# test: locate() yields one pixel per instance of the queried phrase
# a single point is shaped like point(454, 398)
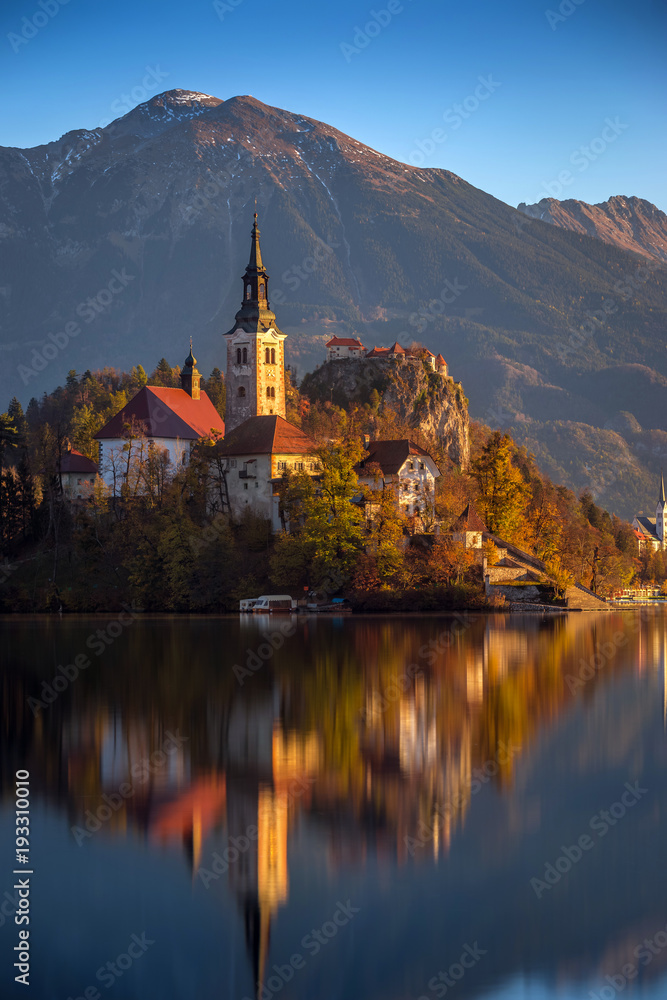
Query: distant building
point(344, 347)
point(469, 529)
point(396, 351)
point(650, 531)
point(405, 466)
point(257, 454)
point(171, 420)
point(77, 474)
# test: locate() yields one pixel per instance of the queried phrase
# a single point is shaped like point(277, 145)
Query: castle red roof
point(390, 455)
point(345, 342)
point(440, 360)
point(267, 435)
point(166, 413)
point(377, 352)
point(74, 461)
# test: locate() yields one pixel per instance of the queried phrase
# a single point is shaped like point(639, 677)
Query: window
point(422, 466)
point(245, 486)
point(273, 355)
point(261, 289)
point(78, 482)
point(282, 465)
point(232, 463)
point(412, 465)
point(241, 392)
point(244, 355)
point(238, 355)
point(312, 466)
point(267, 356)
point(247, 291)
point(298, 466)
point(270, 392)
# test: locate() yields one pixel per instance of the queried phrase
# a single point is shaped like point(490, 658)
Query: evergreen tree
point(216, 390)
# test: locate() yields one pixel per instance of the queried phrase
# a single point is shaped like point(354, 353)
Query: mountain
point(629, 223)
point(121, 242)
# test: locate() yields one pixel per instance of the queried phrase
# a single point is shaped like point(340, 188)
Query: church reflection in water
point(379, 734)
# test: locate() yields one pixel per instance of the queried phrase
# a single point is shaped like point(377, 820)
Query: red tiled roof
point(268, 435)
point(74, 461)
point(440, 359)
point(344, 342)
point(166, 413)
point(390, 455)
point(469, 520)
point(396, 349)
point(377, 352)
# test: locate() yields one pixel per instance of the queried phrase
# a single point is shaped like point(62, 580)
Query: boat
point(246, 606)
point(274, 603)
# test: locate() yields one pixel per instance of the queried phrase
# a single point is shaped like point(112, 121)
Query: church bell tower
point(255, 349)
point(661, 513)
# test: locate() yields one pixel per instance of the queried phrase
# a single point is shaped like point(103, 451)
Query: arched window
point(273, 355)
point(270, 392)
point(241, 391)
point(267, 356)
point(245, 355)
point(238, 355)
point(247, 291)
point(261, 289)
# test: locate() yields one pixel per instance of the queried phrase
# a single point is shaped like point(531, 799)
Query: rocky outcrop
point(630, 223)
point(428, 401)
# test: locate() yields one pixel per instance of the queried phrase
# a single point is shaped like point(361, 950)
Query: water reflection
point(425, 769)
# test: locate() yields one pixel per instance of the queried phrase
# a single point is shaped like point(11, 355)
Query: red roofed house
point(406, 466)
point(167, 419)
point(77, 474)
point(257, 453)
point(344, 347)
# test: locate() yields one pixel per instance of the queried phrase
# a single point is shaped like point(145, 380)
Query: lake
point(373, 808)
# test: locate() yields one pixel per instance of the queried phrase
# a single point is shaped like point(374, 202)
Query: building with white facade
point(405, 467)
point(650, 531)
point(344, 347)
point(157, 420)
point(256, 455)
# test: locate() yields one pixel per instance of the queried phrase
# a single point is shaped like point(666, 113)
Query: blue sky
point(557, 74)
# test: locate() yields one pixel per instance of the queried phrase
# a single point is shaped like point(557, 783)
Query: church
point(256, 442)
point(650, 531)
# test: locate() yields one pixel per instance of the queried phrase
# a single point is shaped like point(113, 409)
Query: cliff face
point(629, 223)
point(426, 400)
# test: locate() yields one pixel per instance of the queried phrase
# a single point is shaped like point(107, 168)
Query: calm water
point(379, 808)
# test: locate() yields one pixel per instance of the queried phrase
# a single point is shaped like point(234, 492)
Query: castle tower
point(661, 513)
point(190, 377)
point(255, 351)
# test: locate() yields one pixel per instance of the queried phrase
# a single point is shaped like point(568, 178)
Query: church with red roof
point(170, 420)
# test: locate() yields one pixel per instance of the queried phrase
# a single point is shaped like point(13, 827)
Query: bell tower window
point(238, 355)
point(267, 356)
point(247, 292)
point(245, 355)
point(261, 290)
point(241, 392)
point(273, 355)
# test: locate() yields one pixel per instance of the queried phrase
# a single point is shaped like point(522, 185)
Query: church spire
point(661, 498)
point(255, 262)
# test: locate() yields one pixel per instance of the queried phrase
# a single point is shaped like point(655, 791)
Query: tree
point(165, 375)
point(504, 495)
point(216, 390)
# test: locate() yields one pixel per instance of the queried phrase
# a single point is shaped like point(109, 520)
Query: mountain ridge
point(354, 241)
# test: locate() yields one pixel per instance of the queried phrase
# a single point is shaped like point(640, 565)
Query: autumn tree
point(503, 493)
